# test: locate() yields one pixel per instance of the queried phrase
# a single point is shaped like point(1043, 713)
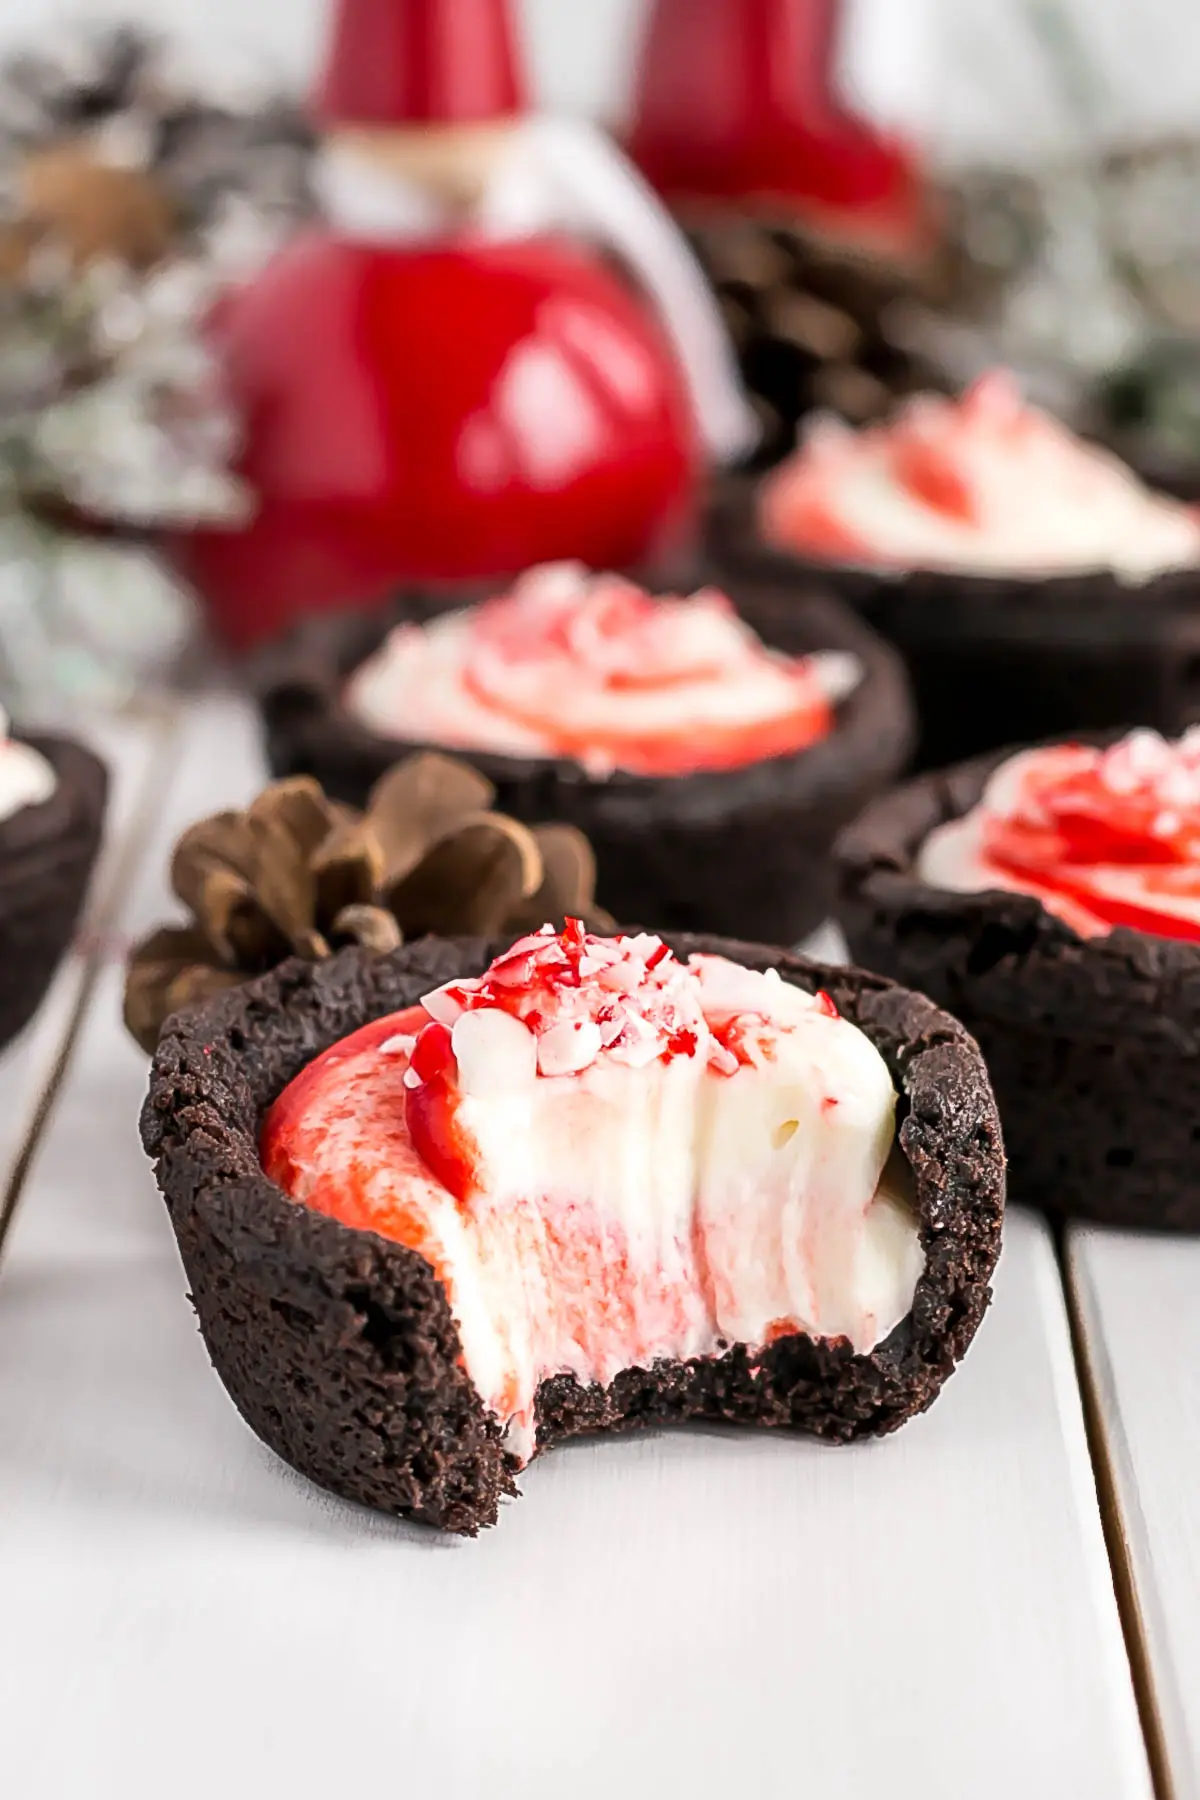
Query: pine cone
point(120, 100)
point(94, 211)
point(299, 874)
point(812, 323)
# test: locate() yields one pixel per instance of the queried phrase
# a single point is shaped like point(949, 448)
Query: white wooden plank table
point(716, 1613)
point(1138, 1301)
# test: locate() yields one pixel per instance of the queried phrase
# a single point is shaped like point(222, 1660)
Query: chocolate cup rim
point(80, 793)
point(220, 1065)
point(47, 853)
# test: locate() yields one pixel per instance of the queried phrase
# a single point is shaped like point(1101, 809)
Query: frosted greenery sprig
point(110, 401)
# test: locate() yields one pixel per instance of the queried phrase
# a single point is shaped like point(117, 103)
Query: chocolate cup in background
point(46, 858)
point(338, 1347)
point(739, 851)
point(995, 660)
point(1093, 1045)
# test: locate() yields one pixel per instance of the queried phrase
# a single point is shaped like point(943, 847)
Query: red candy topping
point(592, 666)
point(1105, 837)
point(574, 998)
point(628, 997)
point(926, 452)
point(984, 481)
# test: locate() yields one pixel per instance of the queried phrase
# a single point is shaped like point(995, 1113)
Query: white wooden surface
point(705, 1612)
point(1139, 1306)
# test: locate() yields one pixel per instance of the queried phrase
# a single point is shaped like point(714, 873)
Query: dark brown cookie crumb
point(339, 1348)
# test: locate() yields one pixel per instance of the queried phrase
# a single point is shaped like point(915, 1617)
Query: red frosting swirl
point(1102, 837)
point(593, 668)
point(984, 483)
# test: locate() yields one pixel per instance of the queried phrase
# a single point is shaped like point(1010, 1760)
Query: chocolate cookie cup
point(1093, 1045)
point(339, 1347)
point(994, 660)
point(46, 856)
point(741, 850)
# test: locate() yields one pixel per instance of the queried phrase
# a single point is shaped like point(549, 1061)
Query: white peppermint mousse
point(983, 485)
point(26, 778)
point(612, 1158)
point(592, 668)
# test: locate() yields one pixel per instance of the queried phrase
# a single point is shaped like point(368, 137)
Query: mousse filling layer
point(590, 667)
point(982, 485)
point(1101, 837)
point(611, 1159)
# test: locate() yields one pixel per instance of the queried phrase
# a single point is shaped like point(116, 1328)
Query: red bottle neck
point(412, 62)
point(738, 101)
point(792, 52)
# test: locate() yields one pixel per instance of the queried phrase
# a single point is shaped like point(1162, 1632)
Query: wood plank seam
point(1129, 1602)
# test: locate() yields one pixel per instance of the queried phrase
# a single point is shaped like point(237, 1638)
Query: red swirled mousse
point(612, 1158)
point(594, 669)
point(985, 484)
point(1102, 837)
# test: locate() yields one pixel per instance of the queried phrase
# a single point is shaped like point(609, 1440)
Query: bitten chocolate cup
point(994, 660)
point(46, 856)
point(1093, 1045)
point(741, 850)
point(339, 1347)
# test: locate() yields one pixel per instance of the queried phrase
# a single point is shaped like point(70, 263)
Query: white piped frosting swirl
point(592, 668)
point(984, 484)
point(1102, 837)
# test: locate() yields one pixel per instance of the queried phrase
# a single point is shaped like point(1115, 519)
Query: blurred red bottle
point(738, 102)
point(441, 385)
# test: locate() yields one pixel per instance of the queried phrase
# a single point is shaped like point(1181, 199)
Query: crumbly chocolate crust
point(339, 1348)
point(742, 850)
point(997, 659)
point(1093, 1045)
point(46, 856)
